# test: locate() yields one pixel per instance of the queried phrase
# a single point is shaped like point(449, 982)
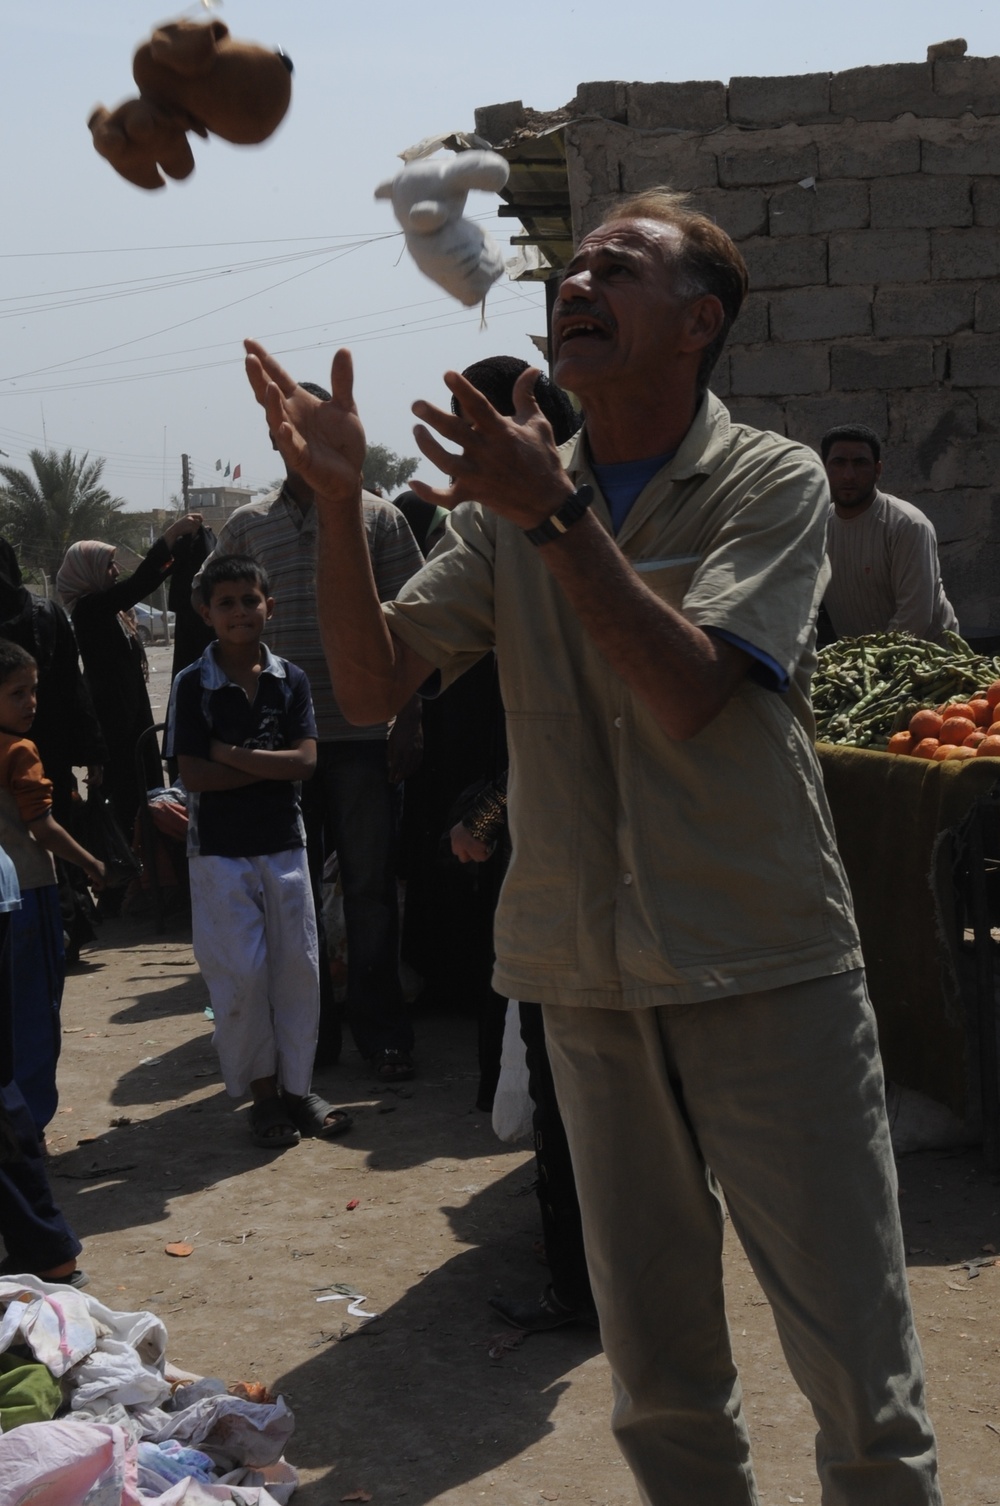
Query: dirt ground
point(422, 1405)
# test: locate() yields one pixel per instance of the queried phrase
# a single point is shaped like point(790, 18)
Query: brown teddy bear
point(191, 77)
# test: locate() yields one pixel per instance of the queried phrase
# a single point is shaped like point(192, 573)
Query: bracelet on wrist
point(559, 522)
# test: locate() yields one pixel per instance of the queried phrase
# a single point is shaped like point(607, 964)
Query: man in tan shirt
point(883, 551)
point(675, 900)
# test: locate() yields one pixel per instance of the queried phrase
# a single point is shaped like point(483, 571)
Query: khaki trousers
point(777, 1099)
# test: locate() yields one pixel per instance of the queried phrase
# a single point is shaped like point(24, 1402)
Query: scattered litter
point(354, 1203)
point(353, 1303)
point(88, 1139)
point(954, 1286)
point(148, 1061)
point(357, 1311)
point(993, 1427)
point(95, 1173)
point(209, 1012)
point(357, 1495)
point(71, 1029)
point(504, 1343)
point(804, 183)
point(329, 1338)
point(120, 1122)
point(178, 1248)
point(549, 1495)
point(975, 1266)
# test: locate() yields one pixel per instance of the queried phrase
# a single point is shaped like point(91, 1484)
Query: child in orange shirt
point(29, 835)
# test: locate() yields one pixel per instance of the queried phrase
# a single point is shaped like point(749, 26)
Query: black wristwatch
point(557, 523)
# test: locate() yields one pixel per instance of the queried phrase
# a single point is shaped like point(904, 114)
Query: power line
point(270, 335)
point(195, 318)
point(274, 240)
point(360, 339)
point(164, 282)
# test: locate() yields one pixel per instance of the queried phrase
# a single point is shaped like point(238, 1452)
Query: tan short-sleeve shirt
point(647, 871)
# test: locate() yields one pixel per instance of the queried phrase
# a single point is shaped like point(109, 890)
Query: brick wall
point(876, 286)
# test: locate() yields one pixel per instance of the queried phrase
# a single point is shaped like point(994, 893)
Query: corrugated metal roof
point(537, 194)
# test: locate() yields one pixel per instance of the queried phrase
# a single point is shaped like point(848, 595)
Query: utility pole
point(185, 491)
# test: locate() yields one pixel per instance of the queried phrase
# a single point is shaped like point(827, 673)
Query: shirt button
point(626, 878)
point(618, 721)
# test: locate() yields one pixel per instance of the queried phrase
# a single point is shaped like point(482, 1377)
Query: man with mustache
point(883, 551)
point(675, 900)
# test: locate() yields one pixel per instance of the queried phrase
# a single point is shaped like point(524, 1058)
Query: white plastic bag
point(512, 1106)
point(67, 1464)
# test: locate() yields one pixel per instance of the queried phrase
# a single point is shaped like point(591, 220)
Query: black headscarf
point(15, 599)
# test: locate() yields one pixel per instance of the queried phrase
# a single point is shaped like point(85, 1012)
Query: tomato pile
point(961, 729)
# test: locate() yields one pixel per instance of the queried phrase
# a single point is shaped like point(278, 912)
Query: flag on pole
point(226, 471)
point(236, 474)
point(218, 465)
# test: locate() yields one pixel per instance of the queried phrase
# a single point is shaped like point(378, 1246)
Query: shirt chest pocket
point(670, 577)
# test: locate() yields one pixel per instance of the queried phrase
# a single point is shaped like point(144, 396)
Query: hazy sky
point(123, 311)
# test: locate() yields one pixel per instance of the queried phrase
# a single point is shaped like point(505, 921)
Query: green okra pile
point(865, 689)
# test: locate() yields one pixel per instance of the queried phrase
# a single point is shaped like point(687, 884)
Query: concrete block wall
point(867, 206)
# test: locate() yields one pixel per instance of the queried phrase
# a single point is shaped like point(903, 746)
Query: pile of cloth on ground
point(91, 1413)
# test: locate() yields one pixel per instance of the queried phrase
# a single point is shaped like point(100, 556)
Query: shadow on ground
point(412, 1404)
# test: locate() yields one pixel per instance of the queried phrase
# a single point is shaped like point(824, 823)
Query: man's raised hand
point(323, 442)
point(511, 465)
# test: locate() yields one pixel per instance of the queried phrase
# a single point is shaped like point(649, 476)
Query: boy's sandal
point(271, 1114)
point(392, 1065)
point(312, 1115)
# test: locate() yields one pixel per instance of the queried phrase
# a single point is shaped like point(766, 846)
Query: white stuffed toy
point(428, 198)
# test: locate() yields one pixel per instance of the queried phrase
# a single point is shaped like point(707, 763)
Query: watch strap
point(563, 519)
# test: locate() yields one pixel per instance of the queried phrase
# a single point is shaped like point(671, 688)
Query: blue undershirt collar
point(623, 482)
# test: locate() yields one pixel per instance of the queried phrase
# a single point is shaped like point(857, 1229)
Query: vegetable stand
point(920, 841)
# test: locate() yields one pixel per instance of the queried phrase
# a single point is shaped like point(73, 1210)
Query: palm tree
point(64, 501)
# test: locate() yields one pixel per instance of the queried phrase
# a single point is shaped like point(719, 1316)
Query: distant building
point(217, 503)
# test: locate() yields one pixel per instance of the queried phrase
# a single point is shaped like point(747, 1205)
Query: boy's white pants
point(254, 932)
